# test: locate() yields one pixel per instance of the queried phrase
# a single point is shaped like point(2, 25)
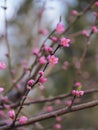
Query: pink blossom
point(1, 90)
point(94, 29)
point(43, 31)
point(2, 65)
point(41, 73)
point(60, 28)
point(85, 33)
point(42, 60)
point(81, 93)
point(96, 3)
point(36, 52)
point(54, 39)
point(78, 84)
point(65, 65)
point(52, 59)
point(29, 88)
point(57, 126)
point(7, 106)
point(65, 42)
point(73, 92)
point(49, 108)
point(30, 82)
point(50, 49)
point(47, 49)
point(69, 102)
point(23, 120)
point(58, 118)
point(41, 87)
point(74, 12)
point(77, 93)
point(42, 79)
point(11, 114)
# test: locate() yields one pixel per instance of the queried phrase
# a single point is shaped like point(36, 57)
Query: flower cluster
point(77, 91)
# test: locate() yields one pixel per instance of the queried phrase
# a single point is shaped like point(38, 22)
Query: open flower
point(65, 42)
point(52, 59)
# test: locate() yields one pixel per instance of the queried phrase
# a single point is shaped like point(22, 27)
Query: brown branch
point(7, 41)
point(60, 97)
point(61, 112)
point(53, 114)
point(80, 15)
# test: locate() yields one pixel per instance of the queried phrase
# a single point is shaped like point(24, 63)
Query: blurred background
point(25, 25)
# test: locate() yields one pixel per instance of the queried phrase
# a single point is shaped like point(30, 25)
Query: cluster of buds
point(29, 84)
point(22, 120)
point(77, 91)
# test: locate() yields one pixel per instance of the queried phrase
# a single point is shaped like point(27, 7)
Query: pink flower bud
point(58, 118)
point(1, 90)
point(73, 92)
point(30, 82)
point(43, 31)
point(47, 49)
point(78, 84)
point(74, 12)
point(69, 102)
point(23, 120)
point(41, 87)
point(85, 33)
point(42, 60)
point(57, 126)
point(65, 65)
point(81, 93)
point(49, 108)
point(50, 49)
point(41, 73)
point(11, 114)
point(96, 3)
point(77, 93)
point(42, 79)
point(54, 39)
point(36, 52)
point(7, 106)
point(2, 65)
point(94, 29)
point(60, 28)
